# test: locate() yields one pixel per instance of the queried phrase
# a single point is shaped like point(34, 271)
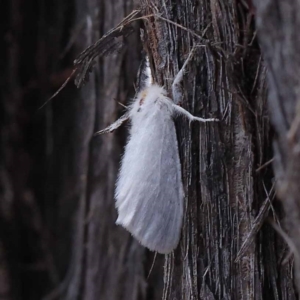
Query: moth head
point(149, 97)
point(151, 93)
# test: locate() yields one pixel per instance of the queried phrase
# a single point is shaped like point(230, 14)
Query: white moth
point(149, 191)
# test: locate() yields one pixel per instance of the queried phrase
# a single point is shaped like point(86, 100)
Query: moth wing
point(149, 193)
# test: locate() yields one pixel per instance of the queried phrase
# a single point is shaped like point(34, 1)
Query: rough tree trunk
point(58, 239)
point(278, 24)
point(226, 252)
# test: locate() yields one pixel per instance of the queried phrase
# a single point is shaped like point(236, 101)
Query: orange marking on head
point(143, 96)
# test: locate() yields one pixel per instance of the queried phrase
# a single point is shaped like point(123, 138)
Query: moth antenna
point(148, 73)
point(144, 76)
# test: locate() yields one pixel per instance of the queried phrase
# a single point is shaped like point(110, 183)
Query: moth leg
point(181, 111)
point(176, 88)
point(114, 125)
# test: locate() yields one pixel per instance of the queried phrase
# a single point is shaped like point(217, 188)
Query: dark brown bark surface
point(58, 239)
point(278, 23)
point(226, 252)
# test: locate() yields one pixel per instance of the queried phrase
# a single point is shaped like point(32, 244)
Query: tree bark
point(226, 251)
point(58, 239)
point(277, 24)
